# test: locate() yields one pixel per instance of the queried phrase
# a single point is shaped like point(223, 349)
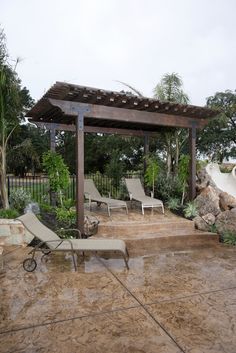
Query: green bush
point(168, 187)
point(173, 204)
point(229, 238)
point(9, 214)
point(190, 210)
point(65, 218)
point(19, 198)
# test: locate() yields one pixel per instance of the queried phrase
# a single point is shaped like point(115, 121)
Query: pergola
point(81, 109)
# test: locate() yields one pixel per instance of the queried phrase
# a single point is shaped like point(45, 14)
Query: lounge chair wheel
point(46, 251)
point(29, 264)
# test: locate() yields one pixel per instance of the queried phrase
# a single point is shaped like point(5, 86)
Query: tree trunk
point(169, 154)
point(3, 180)
point(176, 152)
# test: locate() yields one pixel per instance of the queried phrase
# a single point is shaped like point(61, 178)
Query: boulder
point(204, 180)
point(227, 201)
point(204, 222)
point(201, 224)
point(208, 202)
point(226, 221)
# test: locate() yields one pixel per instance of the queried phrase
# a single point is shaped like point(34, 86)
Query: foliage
point(14, 102)
point(45, 207)
point(229, 238)
point(213, 228)
point(26, 147)
point(58, 173)
point(66, 218)
point(217, 140)
point(10, 213)
point(68, 203)
point(183, 173)
point(19, 198)
point(168, 187)
point(173, 204)
point(170, 89)
point(190, 210)
point(104, 153)
point(151, 172)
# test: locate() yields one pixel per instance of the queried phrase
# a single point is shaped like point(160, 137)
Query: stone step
point(137, 228)
point(171, 241)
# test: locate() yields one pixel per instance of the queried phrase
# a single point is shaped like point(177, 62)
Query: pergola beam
point(96, 129)
point(126, 115)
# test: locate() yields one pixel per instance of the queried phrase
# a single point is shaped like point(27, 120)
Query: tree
point(25, 149)
point(170, 90)
point(218, 139)
point(58, 173)
point(14, 101)
point(151, 172)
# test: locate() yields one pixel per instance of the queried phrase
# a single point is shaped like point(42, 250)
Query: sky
point(97, 42)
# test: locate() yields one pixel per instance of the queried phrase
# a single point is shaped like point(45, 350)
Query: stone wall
point(13, 232)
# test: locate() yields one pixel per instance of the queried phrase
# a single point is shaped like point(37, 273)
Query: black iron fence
point(39, 189)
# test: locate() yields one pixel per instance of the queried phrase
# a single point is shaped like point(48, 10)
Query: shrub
point(66, 218)
point(173, 204)
point(151, 173)
point(9, 213)
point(229, 238)
point(190, 210)
point(168, 187)
point(19, 198)
point(58, 173)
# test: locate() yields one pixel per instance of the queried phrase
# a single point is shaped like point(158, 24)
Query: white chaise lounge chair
point(50, 242)
point(92, 193)
point(137, 193)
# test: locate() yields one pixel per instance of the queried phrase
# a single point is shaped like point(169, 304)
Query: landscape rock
point(227, 201)
point(208, 202)
point(201, 224)
point(209, 218)
point(226, 221)
point(205, 222)
point(204, 180)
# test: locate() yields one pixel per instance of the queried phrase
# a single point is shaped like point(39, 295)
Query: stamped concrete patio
point(171, 301)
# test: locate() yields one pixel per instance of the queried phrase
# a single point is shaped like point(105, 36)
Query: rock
point(201, 224)
point(227, 201)
point(208, 202)
point(32, 207)
point(226, 221)
point(209, 218)
point(204, 222)
point(204, 180)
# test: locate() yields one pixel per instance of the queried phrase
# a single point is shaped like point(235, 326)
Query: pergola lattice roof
point(44, 111)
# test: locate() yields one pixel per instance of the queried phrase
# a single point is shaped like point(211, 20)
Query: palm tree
point(170, 90)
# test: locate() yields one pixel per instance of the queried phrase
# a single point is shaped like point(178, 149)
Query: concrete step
point(115, 229)
point(175, 241)
point(150, 243)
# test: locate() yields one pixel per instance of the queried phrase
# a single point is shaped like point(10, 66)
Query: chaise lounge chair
point(92, 193)
point(137, 193)
point(50, 242)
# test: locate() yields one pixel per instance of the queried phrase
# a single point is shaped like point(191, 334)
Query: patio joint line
point(144, 308)
point(189, 296)
point(69, 319)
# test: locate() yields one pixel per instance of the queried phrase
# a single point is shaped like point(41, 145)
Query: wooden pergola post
point(53, 137)
point(52, 132)
point(80, 171)
point(192, 164)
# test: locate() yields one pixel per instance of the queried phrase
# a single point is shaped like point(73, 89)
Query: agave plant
point(173, 204)
point(190, 210)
